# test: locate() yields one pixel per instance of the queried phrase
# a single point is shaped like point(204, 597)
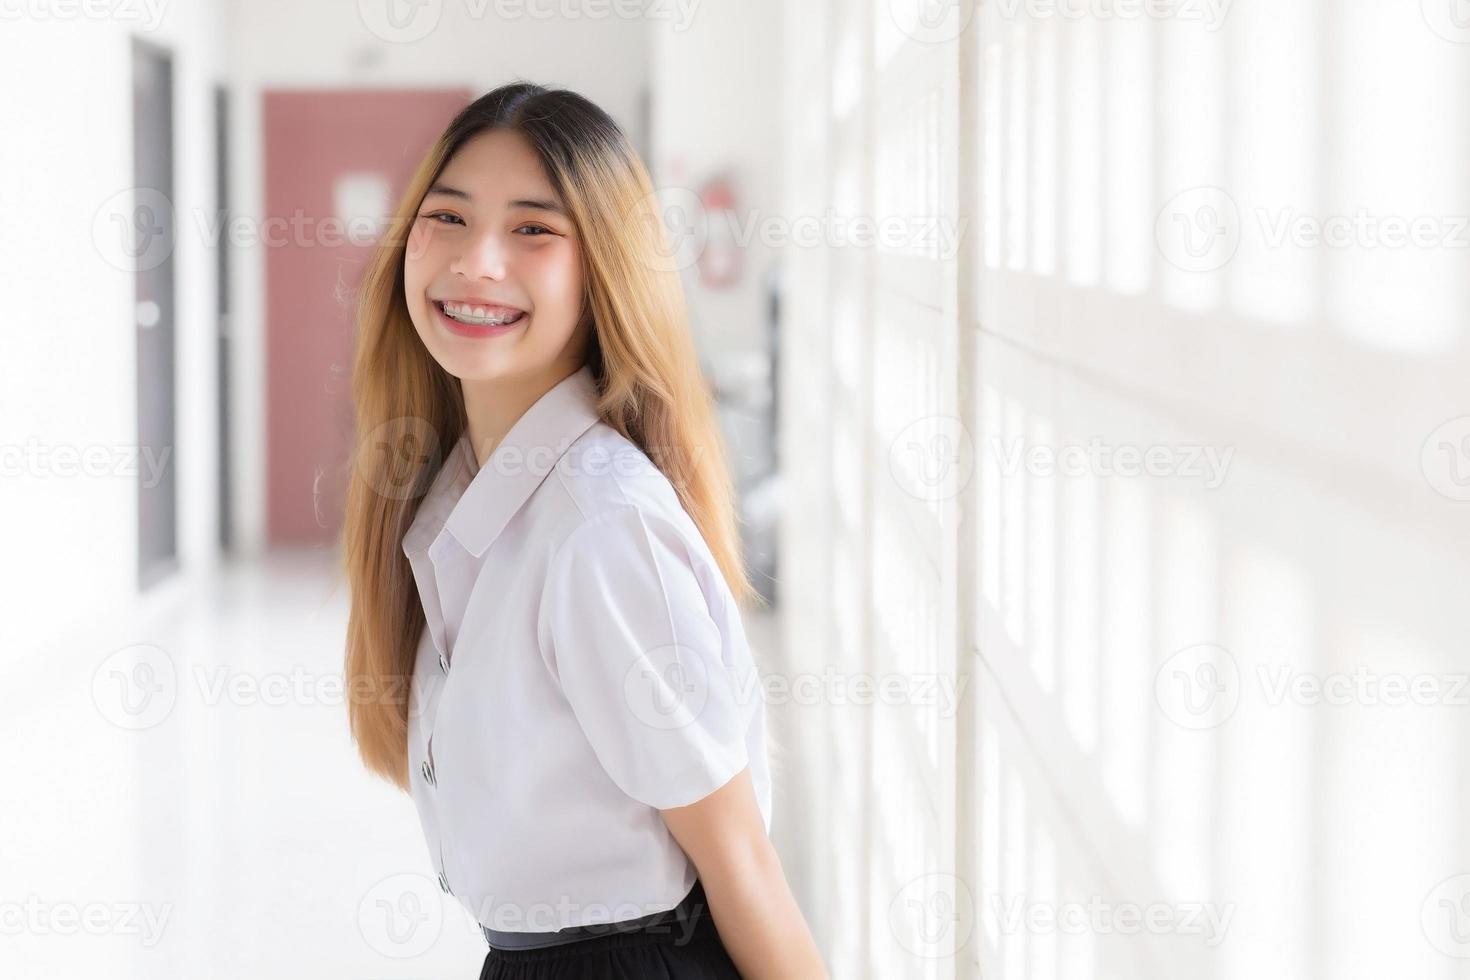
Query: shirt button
point(427, 771)
point(443, 882)
point(443, 663)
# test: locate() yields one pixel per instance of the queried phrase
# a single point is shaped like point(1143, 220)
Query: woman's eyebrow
point(539, 204)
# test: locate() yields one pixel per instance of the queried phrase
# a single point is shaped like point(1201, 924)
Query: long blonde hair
point(409, 410)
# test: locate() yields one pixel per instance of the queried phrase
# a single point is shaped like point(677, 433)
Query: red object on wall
point(720, 261)
point(323, 151)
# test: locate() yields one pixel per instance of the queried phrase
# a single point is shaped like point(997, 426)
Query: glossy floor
point(182, 799)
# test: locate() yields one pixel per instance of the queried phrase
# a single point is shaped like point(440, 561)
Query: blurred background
point(1094, 374)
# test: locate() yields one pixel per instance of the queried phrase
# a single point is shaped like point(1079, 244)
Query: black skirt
point(665, 948)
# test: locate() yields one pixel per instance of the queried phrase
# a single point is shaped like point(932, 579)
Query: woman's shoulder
point(611, 484)
point(604, 471)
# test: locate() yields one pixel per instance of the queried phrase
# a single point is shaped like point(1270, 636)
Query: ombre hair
point(409, 409)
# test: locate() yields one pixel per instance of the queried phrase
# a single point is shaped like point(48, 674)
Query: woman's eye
point(544, 231)
point(441, 214)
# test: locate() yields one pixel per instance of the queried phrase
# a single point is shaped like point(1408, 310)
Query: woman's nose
point(482, 258)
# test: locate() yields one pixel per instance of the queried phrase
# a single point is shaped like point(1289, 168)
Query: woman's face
point(493, 268)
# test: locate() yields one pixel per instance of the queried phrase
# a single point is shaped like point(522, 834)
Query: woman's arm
point(754, 911)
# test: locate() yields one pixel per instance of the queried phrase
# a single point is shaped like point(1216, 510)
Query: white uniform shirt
point(583, 666)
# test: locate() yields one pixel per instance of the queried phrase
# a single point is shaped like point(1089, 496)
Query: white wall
point(1123, 737)
point(716, 111)
point(67, 372)
point(869, 542)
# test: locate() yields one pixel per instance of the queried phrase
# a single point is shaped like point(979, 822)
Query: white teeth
point(478, 316)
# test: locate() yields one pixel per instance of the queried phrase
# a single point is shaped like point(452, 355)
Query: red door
point(334, 162)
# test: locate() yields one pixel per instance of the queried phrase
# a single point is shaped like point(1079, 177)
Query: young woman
point(540, 539)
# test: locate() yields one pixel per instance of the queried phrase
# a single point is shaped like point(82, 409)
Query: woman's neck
point(493, 406)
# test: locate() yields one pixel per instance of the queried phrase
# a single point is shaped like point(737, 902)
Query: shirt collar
point(476, 506)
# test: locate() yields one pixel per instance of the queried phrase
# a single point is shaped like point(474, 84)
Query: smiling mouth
point(480, 316)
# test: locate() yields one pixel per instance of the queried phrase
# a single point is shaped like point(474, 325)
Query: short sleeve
point(627, 630)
